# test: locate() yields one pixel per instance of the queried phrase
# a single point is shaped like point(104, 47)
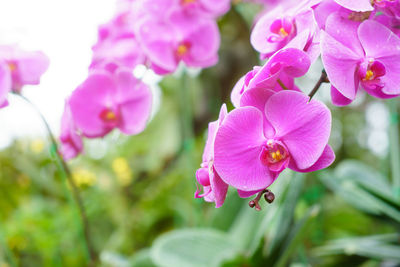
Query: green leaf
point(349, 191)
point(193, 248)
point(366, 177)
point(285, 213)
point(141, 258)
point(356, 195)
point(296, 236)
point(250, 226)
point(378, 247)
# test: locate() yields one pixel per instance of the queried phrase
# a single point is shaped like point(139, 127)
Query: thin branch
point(322, 79)
point(282, 84)
point(394, 146)
point(75, 191)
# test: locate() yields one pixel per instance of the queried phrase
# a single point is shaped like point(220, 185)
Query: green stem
point(8, 253)
point(394, 146)
point(186, 114)
point(74, 188)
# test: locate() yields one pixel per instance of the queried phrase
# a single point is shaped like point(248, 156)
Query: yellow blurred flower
point(37, 146)
point(122, 170)
point(84, 177)
point(23, 180)
point(17, 242)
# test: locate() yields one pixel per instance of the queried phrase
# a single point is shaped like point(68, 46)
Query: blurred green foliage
point(138, 191)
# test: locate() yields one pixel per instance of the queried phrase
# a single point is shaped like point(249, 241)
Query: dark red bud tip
point(269, 197)
point(252, 204)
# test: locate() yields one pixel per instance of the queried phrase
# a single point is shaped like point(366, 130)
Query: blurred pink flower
point(117, 43)
point(390, 8)
point(5, 83)
point(110, 99)
point(71, 141)
point(124, 50)
point(202, 8)
point(214, 189)
point(193, 40)
point(356, 5)
point(19, 68)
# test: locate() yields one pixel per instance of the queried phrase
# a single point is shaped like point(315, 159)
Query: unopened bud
point(269, 197)
point(252, 204)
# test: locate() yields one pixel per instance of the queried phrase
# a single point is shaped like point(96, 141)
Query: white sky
point(65, 31)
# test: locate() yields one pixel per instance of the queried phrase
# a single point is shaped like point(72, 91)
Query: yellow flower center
point(276, 152)
point(276, 155)
point(182, 50)
point(369, 75)
point(283, 33)
point(186, 2)
point(110, 116)
point(12, 66)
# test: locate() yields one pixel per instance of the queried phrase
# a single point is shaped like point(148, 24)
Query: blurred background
point(139, 190)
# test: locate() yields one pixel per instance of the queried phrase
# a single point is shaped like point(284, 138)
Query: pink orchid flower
point(117, 43)
point(214, 189)
point(356, 5)
point(5, 83)
point(192, 40)
point(389, 7)
point(120, 25)
point(71, 141)
point(19, 68)
point(108, 100)
point(392, 23)
point(268, 133)
point(277, 73)
point(123, 50)
point(202, 8)
point(205, 7)
point(293, 27)
point(355, 55)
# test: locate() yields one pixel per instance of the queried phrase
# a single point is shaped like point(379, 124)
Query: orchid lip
point(274, 155)
point(109, 116)
point(12, 66)
point(187, 2)
point(371, 71)
point(280, 29)
point(182, 49)
point(203, 177)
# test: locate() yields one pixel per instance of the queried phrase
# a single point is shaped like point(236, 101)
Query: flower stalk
point(322, 79)
point(74, 188)
point(394, 147)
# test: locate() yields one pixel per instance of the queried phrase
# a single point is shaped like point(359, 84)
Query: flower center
point(274, 155)
point(187, 2)
point(372, 70)
point(108, 116)
point(283, 33)
point(182, 49)
point(280, 29)
point(369, 75)
point(12, 66)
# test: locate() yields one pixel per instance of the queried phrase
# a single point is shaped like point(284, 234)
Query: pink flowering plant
point(274, 123)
